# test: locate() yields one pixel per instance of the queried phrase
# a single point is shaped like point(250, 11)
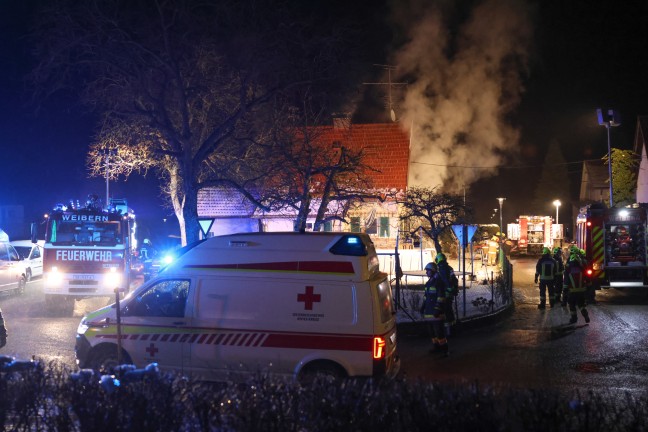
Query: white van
point(282, 303)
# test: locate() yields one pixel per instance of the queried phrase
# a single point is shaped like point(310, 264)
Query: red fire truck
point(614, 240)
point(87, 251)
point(532, 233)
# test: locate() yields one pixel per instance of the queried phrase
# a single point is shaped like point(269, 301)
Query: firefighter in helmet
point(575, 280)
point(546, 271)
point(433, 309)
point(3, 331)
point(558, 278)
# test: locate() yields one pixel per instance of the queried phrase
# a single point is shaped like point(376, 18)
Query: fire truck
point(532, 233)
point(87, 251)
point(614, 240)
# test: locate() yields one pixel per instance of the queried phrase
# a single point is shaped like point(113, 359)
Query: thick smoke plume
point(462, 86)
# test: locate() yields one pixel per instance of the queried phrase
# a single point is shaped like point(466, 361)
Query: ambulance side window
point(167, 298)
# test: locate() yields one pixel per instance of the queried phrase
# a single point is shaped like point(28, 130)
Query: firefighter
point(449, 278)
point(3, 331)
point(546, 271)
point(433, 309)
point(575, 281)
point(558, 279)
point(493, 249)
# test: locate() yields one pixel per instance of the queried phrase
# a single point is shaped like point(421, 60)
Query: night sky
point(583, 55)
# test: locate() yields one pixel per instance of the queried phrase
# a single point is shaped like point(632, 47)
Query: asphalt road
point(528, 348)
point(539, 349)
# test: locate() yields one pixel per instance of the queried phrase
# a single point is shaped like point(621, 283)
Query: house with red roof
point(386, 151)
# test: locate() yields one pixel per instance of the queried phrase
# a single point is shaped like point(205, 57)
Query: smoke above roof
point(464, 80)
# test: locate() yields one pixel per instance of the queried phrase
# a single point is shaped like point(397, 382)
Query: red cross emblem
point(309, 298)
point(152, 350)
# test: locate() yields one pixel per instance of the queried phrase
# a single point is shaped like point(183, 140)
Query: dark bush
point(50, 397)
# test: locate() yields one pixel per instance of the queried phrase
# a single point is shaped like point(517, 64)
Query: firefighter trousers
point(546, 287)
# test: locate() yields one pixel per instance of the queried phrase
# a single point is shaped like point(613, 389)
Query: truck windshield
point(83, 233)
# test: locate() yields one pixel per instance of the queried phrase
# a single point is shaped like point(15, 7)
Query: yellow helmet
point(545, 251)
point(557, 250)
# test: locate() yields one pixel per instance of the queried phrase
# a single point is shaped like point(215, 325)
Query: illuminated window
point(384, 227)
point(355, 224)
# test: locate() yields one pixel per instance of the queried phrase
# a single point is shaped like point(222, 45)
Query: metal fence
point(483, 290)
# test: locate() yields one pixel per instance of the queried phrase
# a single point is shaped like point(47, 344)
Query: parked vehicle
point(32, 256)
point(11, 268)
point(614, 241)
point(293, 304)
point(87, 251)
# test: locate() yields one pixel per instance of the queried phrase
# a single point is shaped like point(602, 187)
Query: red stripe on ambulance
point(343, 267)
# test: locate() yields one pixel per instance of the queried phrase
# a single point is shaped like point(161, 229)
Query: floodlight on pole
point(501, 201)
point(609, 118)
point(557, 204)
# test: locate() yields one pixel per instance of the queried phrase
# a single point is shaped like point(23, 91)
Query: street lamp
point(501, 201)
point(609, 118)
point(557, 204)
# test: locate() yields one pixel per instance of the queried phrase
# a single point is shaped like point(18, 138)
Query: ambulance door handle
point(178, 323)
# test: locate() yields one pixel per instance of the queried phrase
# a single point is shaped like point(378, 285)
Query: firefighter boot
point(436, 348)
point(542, 304)
point(585, 315)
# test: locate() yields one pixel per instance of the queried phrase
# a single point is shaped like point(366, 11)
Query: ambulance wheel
point(104, 358)
point(321, 370)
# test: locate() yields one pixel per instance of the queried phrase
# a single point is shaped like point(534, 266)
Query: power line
point(504, 166)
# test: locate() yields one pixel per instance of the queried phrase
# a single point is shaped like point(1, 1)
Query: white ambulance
point(292, 304)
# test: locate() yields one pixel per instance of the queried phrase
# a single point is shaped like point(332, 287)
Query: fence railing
point(483, 289)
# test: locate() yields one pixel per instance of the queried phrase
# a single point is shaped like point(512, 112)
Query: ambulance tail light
point(589, 272)
point(378, 347)
point(589, 223)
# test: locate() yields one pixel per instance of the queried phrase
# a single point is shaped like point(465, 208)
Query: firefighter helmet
point(557, 250)
point(545, 251)
point(440, 257)
point(431, 266)
point(574, 257)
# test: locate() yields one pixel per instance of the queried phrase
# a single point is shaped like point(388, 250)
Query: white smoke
point(461, 88)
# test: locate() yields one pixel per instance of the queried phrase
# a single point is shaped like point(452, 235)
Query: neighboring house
point(640, 149)
point(386, 150)
point(594, 182)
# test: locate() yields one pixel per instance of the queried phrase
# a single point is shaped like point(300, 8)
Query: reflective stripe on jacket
point(546, 268)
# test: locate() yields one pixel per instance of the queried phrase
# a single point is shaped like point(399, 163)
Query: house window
point(328, 226)
point(384, 227)
point(355, 224)
point(372, 227)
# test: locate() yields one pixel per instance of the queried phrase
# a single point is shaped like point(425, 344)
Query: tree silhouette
point(624, 176)
point(554, 181)
point(186, 88)
point(434, 212)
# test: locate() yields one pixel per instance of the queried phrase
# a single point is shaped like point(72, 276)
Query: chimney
point(342, 121)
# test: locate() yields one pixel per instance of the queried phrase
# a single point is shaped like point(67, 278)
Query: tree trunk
point(190, 213)
point(302, 215)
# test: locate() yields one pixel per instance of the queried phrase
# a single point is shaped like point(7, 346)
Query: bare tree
point(182, 87)
point(432, 211)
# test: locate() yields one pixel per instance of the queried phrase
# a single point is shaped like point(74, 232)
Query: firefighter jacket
point(546, 268)
point(3, 331)
point(575, 279)
point(560, 266)
point(434, 299)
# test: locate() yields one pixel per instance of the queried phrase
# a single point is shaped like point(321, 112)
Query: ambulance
point(291, 304)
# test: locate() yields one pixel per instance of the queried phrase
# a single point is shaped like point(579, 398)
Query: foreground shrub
point(35, 397)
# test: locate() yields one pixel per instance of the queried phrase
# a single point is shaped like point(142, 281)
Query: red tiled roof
point(386, 149)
